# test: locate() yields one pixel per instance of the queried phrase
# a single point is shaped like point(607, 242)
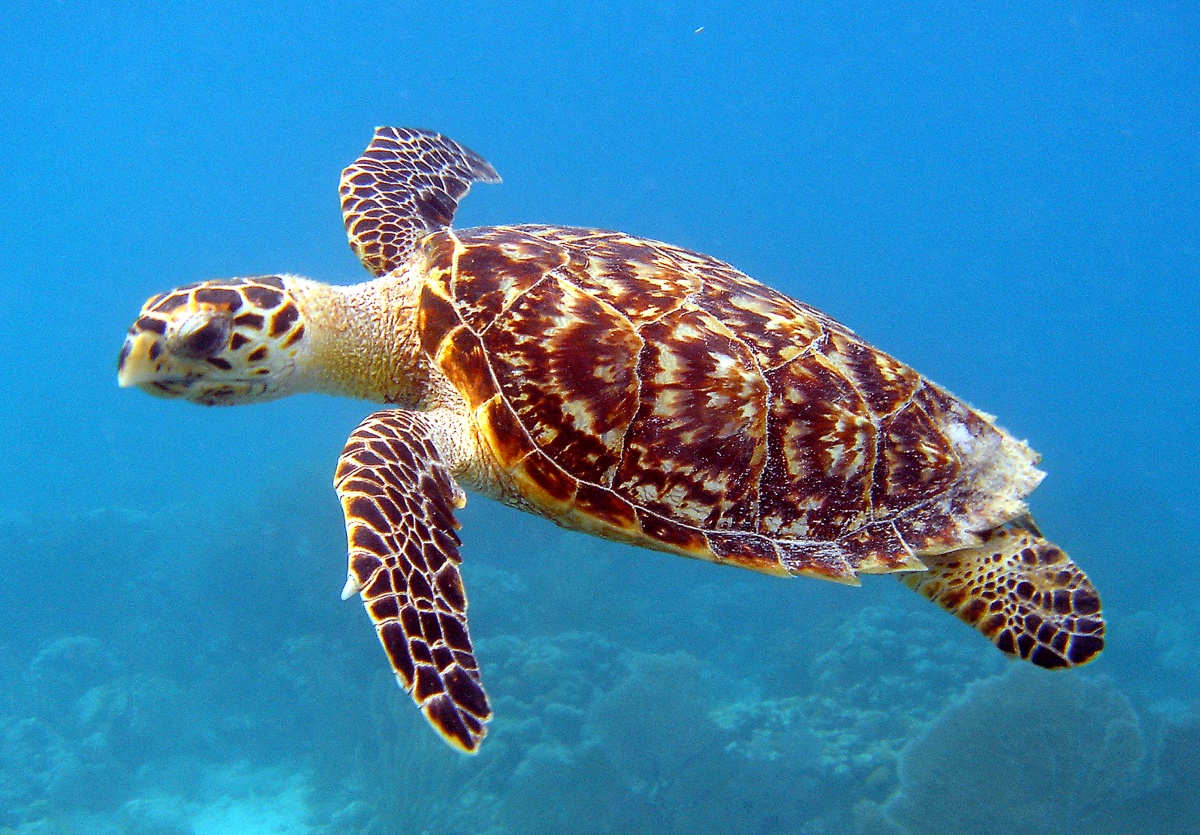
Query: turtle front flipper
point(399, 500)
point(405, 185)
point(1022, 592)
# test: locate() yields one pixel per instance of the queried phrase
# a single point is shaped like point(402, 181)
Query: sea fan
point(1024, 752)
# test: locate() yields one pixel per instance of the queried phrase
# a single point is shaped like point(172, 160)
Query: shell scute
point(603, 504)
point(684, 538)
point(463, 361)
point(884, 383)
point(880, 546)
point(696, 446)
point(944, 409)
point(505, 435)
point(436, 317)
point(643, 282)
point(821, 437)
point(556, 484)
point(918, 463)
point(492, 274)
point(825, 560)
point(777, 328)
point(567, 375)
point(751, 551)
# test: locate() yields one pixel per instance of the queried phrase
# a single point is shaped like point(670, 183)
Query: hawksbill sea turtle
point(621, 387)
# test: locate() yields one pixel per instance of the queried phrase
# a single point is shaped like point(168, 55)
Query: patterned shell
point(653, 395)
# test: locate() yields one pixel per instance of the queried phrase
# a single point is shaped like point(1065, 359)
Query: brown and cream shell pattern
point(658, 396)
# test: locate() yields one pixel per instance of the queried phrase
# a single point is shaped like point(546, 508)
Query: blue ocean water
point(1003, 195)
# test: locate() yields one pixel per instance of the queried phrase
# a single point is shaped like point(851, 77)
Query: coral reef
point(35, 763)
point(622, 741)
point(634, 693)
point(62, 670)
point(1169, 806)
point(1028, 751)
point(886, 674)
point(139, 718)
point(155, 816)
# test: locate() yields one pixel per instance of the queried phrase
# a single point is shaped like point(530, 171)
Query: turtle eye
point(203, 337)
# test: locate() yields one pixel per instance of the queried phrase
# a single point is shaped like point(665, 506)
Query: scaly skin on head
point(249, 340)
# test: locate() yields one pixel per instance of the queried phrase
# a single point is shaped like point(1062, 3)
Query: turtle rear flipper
point(1022, 592)
point(399, 500)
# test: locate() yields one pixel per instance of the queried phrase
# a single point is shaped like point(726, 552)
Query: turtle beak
point(136, 364)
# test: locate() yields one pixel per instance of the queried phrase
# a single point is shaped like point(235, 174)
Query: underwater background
point(1004, 195)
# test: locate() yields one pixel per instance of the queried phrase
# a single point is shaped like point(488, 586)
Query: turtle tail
point(1021, 591)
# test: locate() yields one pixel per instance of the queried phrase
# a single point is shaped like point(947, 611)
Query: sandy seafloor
point(1003, 196)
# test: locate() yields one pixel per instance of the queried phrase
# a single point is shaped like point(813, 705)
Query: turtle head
point(223, 342)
